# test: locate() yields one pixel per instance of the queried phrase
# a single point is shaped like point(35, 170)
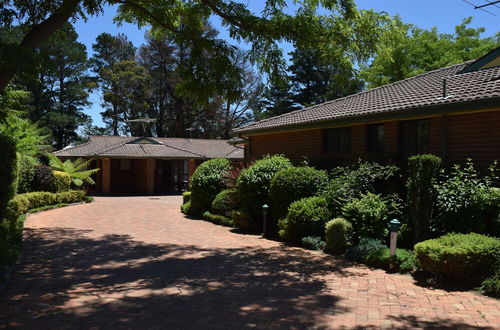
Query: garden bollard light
point(394, 225)
point(265, 208)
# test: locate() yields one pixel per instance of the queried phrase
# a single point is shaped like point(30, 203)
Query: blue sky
point(445, 14)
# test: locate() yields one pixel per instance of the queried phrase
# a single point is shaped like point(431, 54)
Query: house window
point(414, 137)
point(375, 136)
point(337, 139)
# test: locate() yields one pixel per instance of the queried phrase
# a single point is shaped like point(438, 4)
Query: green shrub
point(373, 253)
point(313, 243)
point(369, 216)
point(8, 172)
point(467, 202)
point(44, 179)
point(348, 183)
point(207, 181)
point(306, 217)
point(459, 257)
point(62, 181)
point(218, 219)
point(22, 203)
point(186, 208)
point(225, 203)
point(244, 221)
point(491, 286)
point(423, 170)
point(186, 197)
point(253, 186)
point(25, 173)
point(338, 235)
point(294, 183)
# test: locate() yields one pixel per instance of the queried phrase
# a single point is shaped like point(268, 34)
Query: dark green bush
point(253, 186)
point(244, 221)
point(313, 243)
point(207, 181)
point(348, 183)
point(294, 183)
point(373, 253)
point(467, 202)
point(306, 217)
point(186, 197)
point(8, 172)
point(491, 286)
point(218, 219)
point(44, 179)
point(225, 203)
point(25, 173)
point(423, 170)
point(338, 235)
point(62, 181)
point(369, 216)
point(459, 257)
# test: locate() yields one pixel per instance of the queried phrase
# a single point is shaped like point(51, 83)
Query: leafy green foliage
point(207, 181)
point(244, 221)
point(28, 137)
point(225, 203)
point(254, 185)
point(491, 286)
point(338, 233)
point(369, 216)
point(405, 50)
point(218, 219)
point(186, 197)
point(306, 217)
point(8, 172)
point(62, 181)
point(25, 172)
point(421, 193)
point(75, 169)
point(467, 202)
point(459, 257)
point(349, 182)
point(373, 253)
point(294, 183)
point(186, 208)
point(313, 243)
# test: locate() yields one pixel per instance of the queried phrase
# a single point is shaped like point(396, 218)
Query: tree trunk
point(40, 33)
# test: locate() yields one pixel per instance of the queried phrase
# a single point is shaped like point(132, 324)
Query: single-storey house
point(147, 165)
point(453, 112)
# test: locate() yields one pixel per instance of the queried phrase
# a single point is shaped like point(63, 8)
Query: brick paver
point(136, 262)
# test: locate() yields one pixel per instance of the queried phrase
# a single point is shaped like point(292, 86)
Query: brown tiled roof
point(412, 95)
point(181, 148)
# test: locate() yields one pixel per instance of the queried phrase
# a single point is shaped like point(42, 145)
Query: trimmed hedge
point(253, 187)
point(218, 219)
point(225, 203)
point(338, 235)
point(186, 208)
point(491, 286)
point(22, 203)
point(294, 183)
point(306, 217)
point(421, 194)
point(186, 197)
point(25, 173)
point(459, 257)
point(8, 172)
point(62, 181)
point(207, 181)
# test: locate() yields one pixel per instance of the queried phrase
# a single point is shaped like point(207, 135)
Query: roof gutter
point(459, 107)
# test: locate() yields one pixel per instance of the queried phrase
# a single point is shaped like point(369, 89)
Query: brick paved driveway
point(136, 262)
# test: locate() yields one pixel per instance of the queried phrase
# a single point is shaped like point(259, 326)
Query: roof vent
point(445, 95)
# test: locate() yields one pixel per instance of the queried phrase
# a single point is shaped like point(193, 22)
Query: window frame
point(337, 140)
point(377, 145)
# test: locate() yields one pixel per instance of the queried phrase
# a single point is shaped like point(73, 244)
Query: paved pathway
point(137, 263)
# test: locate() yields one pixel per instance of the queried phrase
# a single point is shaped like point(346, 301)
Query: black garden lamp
point(265, 210)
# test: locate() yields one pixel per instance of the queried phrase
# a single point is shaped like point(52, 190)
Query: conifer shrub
point(338, 233)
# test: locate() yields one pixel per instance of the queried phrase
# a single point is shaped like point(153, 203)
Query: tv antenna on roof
point(143, 121)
